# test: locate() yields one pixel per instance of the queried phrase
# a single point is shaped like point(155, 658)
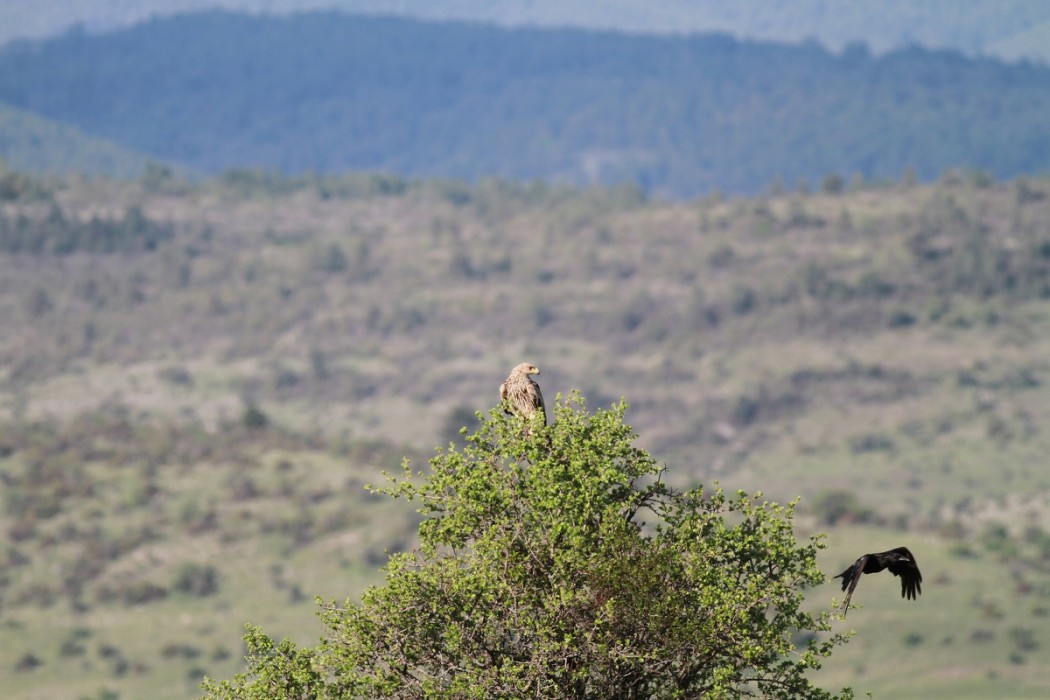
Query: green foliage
point(284, 672)
point(536, 577)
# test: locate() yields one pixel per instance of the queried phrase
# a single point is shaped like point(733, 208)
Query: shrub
point(833, 183)
point(142, 592)
point(331, 259)
point(254, 418)
point(28, 662)
point(197, 580)
point(742, 300)
point(839, 505)
point(536, 577)
point(870, 442)
point(176, 650)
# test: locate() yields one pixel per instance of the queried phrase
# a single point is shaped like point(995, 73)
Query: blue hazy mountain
point(1008, 29)
point(677, 114)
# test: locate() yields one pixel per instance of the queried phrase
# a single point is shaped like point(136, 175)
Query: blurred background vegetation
point(197, 379)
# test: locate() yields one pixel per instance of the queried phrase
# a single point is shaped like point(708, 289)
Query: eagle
point(521, 395)
point(900, 561)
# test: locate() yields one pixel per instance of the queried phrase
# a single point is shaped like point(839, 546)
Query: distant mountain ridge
point(1007, 29)
point(679, 115)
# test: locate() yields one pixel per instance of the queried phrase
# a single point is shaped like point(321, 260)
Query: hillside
point(1008, 30)
point(681, 115)
point(196, 381)
point(36, 145)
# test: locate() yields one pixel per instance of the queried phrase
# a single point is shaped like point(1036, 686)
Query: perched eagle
point(899, 561)
point(521, 394)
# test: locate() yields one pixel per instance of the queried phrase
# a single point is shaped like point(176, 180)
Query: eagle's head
point(526, 368)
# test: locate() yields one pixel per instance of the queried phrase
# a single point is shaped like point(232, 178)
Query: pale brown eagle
point(521, 394)
point(900, 561)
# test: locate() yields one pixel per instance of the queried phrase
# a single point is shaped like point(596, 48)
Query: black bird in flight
point(899, 561)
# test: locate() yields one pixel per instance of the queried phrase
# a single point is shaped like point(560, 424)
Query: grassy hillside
point(196, 381)
point(680, 115)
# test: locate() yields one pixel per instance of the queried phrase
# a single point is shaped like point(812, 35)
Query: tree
point(536, 577)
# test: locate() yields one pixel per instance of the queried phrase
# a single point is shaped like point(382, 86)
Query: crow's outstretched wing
point(908, 569)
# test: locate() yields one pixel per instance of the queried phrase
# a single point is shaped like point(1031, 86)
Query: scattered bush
point(982, 636)
point(840, 506)
point(833, 184)
point(901, 318)
point(871, 442)
point(1023, 639)
point(996, 539)
point(721, 257)
point(254, 418)
point(197, 580)
point(179, 650)
point(73, 645)
point(141, 593)
point(176, 376)
point(28, 662)
point(742, 300)
point(331, 259)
